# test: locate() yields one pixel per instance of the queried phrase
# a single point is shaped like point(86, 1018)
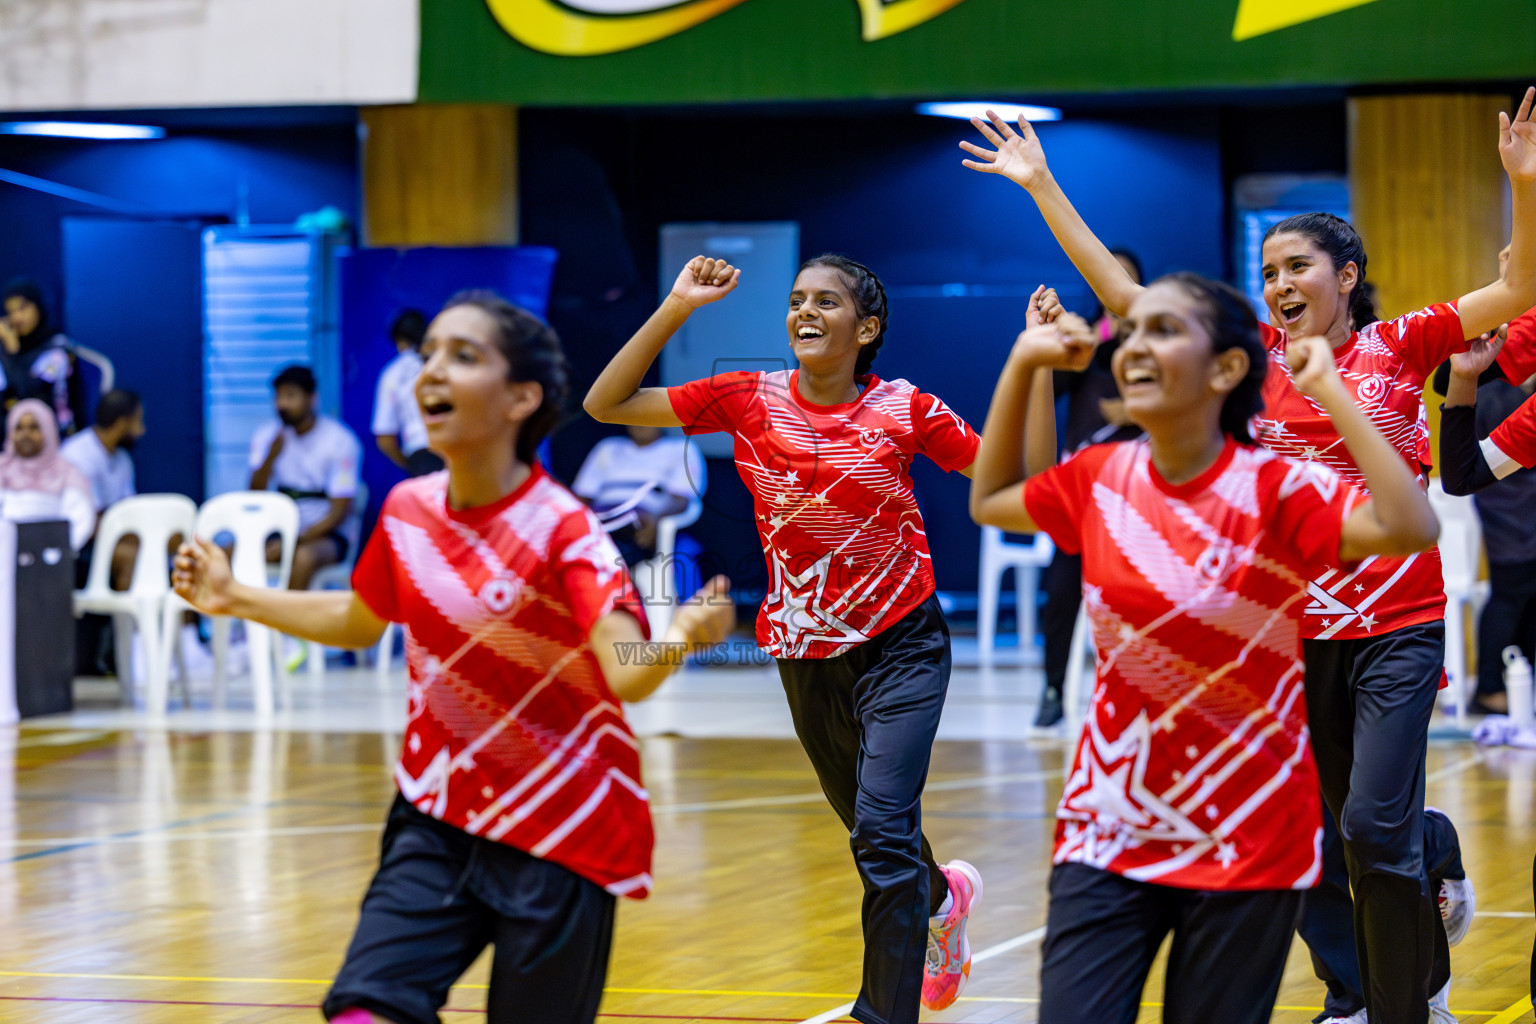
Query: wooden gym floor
point(153, 876)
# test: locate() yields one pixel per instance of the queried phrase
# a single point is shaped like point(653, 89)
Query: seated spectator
point(36, 482)
point(313, 459)
point(397, 426)
point(631, 482)
point(101, 456)
point(35, 360)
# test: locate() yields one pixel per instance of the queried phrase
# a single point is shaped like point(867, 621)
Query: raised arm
point(997, 486)
point(335, 618)
point(1040, 424)
point(1020, 158)
point(1464, 469)
point(1515, 290)
point(616, 396)
point(1398, 519)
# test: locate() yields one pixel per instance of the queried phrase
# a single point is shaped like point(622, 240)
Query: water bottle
point(1517, 684)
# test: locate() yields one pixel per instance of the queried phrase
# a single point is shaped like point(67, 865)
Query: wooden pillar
point(1429, 196)
point(440, 174)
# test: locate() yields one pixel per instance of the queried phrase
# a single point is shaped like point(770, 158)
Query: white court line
point(991, 951)
point(178, 837)
point(1454, 767)
point(322, 830)
point(949, 785)
point(1519, 915)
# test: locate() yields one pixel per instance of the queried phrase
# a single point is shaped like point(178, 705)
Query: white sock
point(945, 908)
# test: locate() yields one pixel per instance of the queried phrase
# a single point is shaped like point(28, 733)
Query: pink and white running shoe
point(949, 952)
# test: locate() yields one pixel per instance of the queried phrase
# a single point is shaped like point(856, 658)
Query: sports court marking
point(1006, 946)
point(1512, 1014)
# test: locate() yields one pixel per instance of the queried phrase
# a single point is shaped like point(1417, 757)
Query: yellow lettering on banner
point(587, 28)
point(1257, 17)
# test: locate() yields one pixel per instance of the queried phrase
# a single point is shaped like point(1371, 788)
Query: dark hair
point(868, 300)
point(1228, 318)
point(410, 326)
point(533, 353)
point(115, 406)
point(297, 375)
point(27, 288)
point(1339, 239)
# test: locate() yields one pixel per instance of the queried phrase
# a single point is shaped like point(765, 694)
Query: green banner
point(598, 52)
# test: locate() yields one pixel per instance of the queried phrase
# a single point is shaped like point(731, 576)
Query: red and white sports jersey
point(1518, 356)
point(512, 733)
point(846, 549)
point(1194, 769)
point(1384, 367)
point(1512, 445)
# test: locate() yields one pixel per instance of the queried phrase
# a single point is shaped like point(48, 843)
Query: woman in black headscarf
point(37, 361)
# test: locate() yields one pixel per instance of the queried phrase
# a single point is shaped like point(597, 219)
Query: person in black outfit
point(36, 360)
point(1095, 415)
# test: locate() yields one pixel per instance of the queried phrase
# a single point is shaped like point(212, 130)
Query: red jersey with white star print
point(1384, 367)
point(847, 553)
point(512, 733)
point(1194, 769)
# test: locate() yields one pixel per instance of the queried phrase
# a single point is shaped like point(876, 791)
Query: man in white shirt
point(102, 456)
point(397, 426)
point(314, 460)
point(633, 481)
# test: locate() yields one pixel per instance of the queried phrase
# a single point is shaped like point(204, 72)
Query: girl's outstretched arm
point(616, 396)
point(1515, 290)
point(997, 488)
point(1398, 519)
point(335, 618)
point(633, 668)
point(1020, 158)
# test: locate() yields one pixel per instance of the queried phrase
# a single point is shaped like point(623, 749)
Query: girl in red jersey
point(1375, 634)
point(1191, 806)
point(520, 815)
point(850, 614)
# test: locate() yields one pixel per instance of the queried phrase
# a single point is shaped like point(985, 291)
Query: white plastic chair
point(997, 557)
point(154, 519)
point(1461, 549)
point(339, 575)
point(655, 578)
point(251, 517)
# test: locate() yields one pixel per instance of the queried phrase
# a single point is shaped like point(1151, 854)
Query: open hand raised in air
point(1018, 156)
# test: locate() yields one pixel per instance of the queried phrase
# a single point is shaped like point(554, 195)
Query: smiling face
point(1306, 294)
point(468, 404)
point(27, 438)
point(1165, 368)
point(825, 330)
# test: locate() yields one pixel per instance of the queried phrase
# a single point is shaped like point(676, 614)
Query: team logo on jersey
point(1373, 389)
point(499, 594)
point(1214, 561)
point(585, 28)
point(874, 437)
